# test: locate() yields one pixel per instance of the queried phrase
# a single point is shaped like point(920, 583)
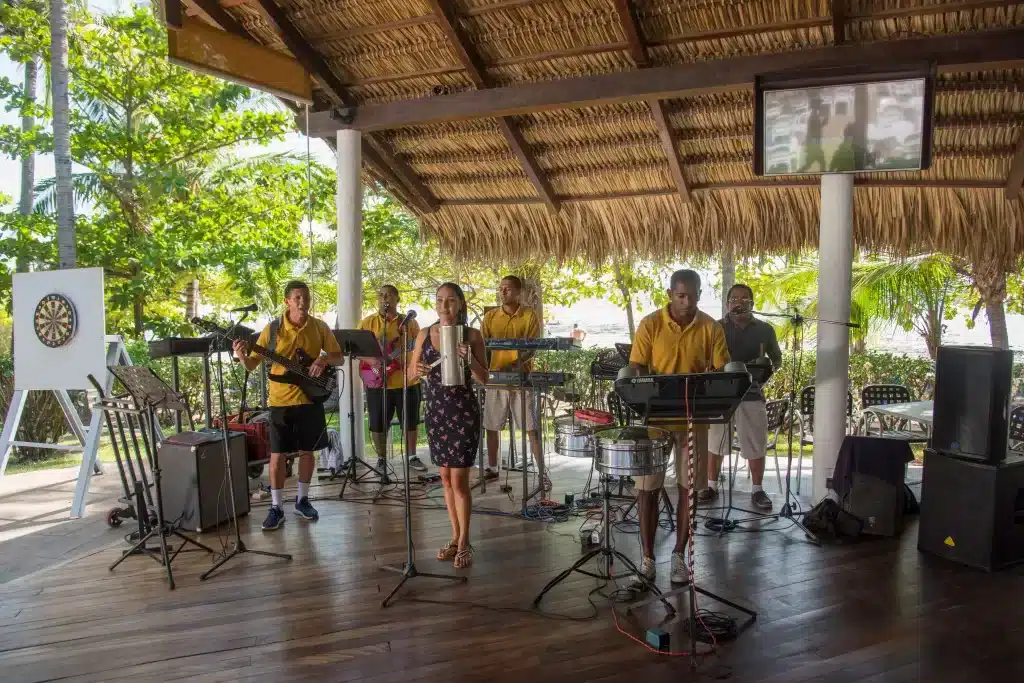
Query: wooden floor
point(869, 611)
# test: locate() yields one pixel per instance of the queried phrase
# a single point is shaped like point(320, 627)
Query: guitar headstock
point(208, 326)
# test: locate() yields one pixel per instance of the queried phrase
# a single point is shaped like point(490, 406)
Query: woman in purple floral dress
point(452, 416)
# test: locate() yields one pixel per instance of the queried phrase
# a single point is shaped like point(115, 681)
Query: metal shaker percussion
point(453, 368)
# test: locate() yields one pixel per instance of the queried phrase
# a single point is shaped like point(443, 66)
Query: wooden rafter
point(424, 198)
point(1015, 178)
point(838, 21)
point(309, 58)
point(1003, 48)
point(631, 28)
point(445, 13)
point(215, 12)
point(669, 143)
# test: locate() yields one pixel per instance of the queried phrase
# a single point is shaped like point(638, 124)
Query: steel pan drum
point(632, 451)
point(574, 438)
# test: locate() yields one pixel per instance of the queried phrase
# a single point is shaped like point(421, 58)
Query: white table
point(916, 411)
point(919, 412)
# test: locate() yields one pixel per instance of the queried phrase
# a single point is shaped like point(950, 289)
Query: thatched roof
point(606, 166)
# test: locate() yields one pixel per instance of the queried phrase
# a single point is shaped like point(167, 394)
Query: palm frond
point(86, 186)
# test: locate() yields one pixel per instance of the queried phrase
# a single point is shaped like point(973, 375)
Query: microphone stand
point(239, 544)
point(408, 569)
point(384, 480)
point(796, 322)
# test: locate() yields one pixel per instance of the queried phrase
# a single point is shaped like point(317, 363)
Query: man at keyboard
point(511, 320)
point(677, 339)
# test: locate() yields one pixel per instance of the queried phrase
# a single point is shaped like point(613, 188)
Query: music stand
point(695, 404)
point(149, 392)
point(364, 344)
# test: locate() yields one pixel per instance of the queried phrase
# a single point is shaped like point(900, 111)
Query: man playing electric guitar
point(297, 425)
point(383, 377)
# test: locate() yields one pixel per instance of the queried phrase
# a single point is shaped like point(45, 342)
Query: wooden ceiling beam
point(838, 21)
point(382, 156)
point(631, 29)
point(311, 60)
point(949, 53)
point(1015, 178)
point(214, 12)
point(444, 11)
point(738, 185)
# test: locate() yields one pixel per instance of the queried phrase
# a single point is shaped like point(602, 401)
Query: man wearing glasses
point(748, 339)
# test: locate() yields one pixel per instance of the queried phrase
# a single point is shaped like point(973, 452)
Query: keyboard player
point(678, 339)
point(511, 320)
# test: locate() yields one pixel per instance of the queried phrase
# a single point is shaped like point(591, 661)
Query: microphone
point(411, 315)
point(251, 308)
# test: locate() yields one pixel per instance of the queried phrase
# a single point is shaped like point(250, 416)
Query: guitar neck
point(279, 359)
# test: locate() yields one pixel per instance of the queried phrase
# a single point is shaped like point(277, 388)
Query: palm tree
point(62, 133)
point(918, 293)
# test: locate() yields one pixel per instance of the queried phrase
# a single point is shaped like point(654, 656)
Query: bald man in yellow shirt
point(678, 339)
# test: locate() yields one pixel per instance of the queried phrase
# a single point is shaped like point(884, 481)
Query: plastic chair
point(1017, 428)
point(805, 419)
point(777, 411)
point(888, 427)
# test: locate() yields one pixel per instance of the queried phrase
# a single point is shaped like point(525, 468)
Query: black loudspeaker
point(972, 399)
point(195, 476)
point(973, 512)
point(877, 503)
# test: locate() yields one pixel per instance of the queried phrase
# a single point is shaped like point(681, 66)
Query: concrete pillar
point(832, 373)
point(349, 202)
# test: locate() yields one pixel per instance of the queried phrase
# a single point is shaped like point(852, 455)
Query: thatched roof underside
point(607, 165)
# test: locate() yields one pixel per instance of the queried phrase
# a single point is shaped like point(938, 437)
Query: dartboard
point(55, 320)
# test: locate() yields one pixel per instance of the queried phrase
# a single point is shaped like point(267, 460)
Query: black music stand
point(148, 393)
point(240, 546)
point(759, 374)
point(363, 344)
point(696, 407)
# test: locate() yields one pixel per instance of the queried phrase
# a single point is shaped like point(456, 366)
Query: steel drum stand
point(690, 587)
point(609, 554)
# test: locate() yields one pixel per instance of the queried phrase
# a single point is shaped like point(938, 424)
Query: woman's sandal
point(448, 551)
point(463, 558)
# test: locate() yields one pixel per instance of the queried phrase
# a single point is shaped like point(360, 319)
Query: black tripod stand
point(363, 344)
point(408, 570)
point(608, 554)
point(148, 393)
point(796, 321)
point(239, 544)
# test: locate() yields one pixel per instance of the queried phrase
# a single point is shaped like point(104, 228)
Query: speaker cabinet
point(972, 399)
point(973, 512)
point(194, 479)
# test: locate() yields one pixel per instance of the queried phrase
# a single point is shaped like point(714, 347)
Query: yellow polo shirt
point(668, 349)
point(313, 337)
point(375, 323)
point(497, 324)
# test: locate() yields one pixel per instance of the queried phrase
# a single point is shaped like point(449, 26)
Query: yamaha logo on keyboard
point(642, 380)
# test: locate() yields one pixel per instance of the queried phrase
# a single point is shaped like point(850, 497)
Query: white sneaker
point(648, 569)
point(680, 572)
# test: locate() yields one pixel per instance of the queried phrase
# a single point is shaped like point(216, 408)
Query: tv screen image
point(857, 127)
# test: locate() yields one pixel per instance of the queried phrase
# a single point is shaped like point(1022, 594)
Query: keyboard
point(533, 344)
point(529, 379)
point(709, 397)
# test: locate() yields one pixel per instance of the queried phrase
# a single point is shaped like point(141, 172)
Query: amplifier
point(877, 503)
point(194, 476)
point(973, 512)
point(972, 401)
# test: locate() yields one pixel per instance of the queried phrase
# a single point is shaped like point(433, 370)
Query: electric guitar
point(316, 389)
point(371, 373)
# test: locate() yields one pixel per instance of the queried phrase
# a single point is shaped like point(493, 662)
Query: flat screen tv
point(843, 123)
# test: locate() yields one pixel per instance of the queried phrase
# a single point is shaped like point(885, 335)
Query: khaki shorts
point(751, 423)
point(497, 403)
point(653, 482)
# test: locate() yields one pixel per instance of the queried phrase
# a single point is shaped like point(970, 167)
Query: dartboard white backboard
point(59, 328)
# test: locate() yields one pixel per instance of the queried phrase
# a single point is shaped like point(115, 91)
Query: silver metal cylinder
point(453, 368)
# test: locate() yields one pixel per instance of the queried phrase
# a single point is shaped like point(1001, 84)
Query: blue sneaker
point(305, 510)
point(274, 520)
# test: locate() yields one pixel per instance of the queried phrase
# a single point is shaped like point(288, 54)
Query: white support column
point(832, 373)
point(350, 269)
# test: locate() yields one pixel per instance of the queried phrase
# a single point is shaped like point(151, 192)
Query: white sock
point(303, 490)
point(275, 497)
point(755, 488)
point(713, 484)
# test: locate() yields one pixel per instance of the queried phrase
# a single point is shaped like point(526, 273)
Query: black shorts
point(297, 428)
point(381, 415)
